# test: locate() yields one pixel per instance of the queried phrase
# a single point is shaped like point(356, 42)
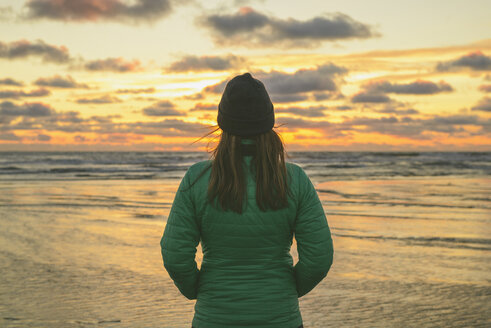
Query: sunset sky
point(147, 75)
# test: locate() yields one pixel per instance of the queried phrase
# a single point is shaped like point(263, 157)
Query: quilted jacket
point(247, 277)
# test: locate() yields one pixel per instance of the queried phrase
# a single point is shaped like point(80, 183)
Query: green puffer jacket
point(247, 277)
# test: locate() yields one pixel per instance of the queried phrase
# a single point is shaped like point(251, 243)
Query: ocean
point(80, 233)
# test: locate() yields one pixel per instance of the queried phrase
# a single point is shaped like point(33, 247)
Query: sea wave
point(450, 242)
point(321, 166)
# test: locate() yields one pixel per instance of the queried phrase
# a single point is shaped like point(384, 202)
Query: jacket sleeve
point(179, 241)
point(313, 236)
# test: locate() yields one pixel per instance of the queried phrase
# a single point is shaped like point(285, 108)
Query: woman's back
point(247, 277)
point(245, 205)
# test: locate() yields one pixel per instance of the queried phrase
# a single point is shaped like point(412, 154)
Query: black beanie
point(245, 108)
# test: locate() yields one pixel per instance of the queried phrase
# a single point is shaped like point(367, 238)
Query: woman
point(244, 206)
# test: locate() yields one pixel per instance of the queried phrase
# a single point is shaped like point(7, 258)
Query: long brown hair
point(228, 184)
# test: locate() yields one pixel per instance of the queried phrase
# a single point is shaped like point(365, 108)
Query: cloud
point(43, 137)
point(243, 21)
point(216, 88)
point(303, 80)
point(248, 27)
point(386, 125)
point(331, 27)
point(118, 138)
point(106, 99)
point(9, 136)
point(485, 88)
point(79, 138)
point(168, 127)
point(206, 63)
point(285, 98)
point(320, 96)
point(375, 91)
point(453, 120)
point(418, 87)
point(303, 111)
point(70, 117)
point(343, 107)
point(104, 119)
point(162, 108)
point(392, 110)
point(483, 105)
point(98, 10)
point(370, 121)
point(15, 94)
point(118, 65)
point(147, 98)
point(10, 81)
point(27, 109)
point(476, 61)
point(38, 48)
point(137, 91)
point(59, 81)
point(295, 123)
point(204, 107)
point(194, 96)
point(368, 97)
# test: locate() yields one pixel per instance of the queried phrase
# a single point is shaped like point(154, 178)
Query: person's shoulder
point(294, 168)
point(298, 173)
point(196, 167)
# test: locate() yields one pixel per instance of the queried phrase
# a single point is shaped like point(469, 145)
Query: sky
point(147, 75)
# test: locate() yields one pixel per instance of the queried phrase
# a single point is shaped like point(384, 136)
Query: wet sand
point(412, 252)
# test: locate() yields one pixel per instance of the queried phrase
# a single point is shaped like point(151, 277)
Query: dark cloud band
point(483, 105)
point(25, 49)
point(476, 61)
point(249, 27)
point(118, 65)
point(95, 10)
point(10, 81)
point(8, 108)
point(15, 94)
point(59, 81)
point(418, 87)
point(206, 63)
point(106, 99)
point(162, 108)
